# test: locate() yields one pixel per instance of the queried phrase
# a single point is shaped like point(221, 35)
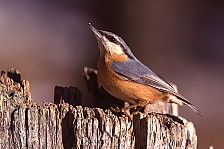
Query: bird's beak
point(95, 31)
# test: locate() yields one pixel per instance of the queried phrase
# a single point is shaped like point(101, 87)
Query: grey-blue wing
point(135, 71)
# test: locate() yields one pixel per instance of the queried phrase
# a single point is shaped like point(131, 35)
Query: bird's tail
point(186, 102)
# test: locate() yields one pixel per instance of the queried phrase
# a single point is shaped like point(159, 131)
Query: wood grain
point(25, 124)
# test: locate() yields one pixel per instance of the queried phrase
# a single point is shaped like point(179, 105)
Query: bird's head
point(111, 44)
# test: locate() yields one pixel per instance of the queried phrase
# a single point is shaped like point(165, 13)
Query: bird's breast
point(122, 88)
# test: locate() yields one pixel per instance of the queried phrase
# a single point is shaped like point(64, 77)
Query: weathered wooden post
point(25, 124)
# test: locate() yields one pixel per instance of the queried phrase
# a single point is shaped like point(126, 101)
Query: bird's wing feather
point(135, 71)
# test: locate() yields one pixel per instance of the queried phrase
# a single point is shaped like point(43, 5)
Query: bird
point(125, 77)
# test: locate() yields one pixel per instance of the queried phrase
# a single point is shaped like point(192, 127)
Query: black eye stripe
point(101, 32)
point(117, 41)
point(111, 38)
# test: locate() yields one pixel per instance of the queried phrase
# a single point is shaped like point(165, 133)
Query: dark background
point(183, 41)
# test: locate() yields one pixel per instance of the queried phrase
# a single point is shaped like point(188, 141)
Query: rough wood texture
point(25, 124)
point(164, 131)
point(70, 95)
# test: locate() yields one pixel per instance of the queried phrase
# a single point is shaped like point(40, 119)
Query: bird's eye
point(112, 39)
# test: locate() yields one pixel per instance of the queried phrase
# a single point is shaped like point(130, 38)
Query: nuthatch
point(126, 78)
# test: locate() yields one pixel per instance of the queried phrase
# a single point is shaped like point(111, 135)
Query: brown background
point(183, 41)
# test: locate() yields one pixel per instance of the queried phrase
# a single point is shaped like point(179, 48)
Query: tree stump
point(26, 124)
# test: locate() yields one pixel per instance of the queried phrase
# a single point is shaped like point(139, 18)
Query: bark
point(25, 124)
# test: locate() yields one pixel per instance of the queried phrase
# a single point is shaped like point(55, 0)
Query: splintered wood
point(25, 124)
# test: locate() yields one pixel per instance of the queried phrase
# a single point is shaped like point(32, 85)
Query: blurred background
point(183, 41)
